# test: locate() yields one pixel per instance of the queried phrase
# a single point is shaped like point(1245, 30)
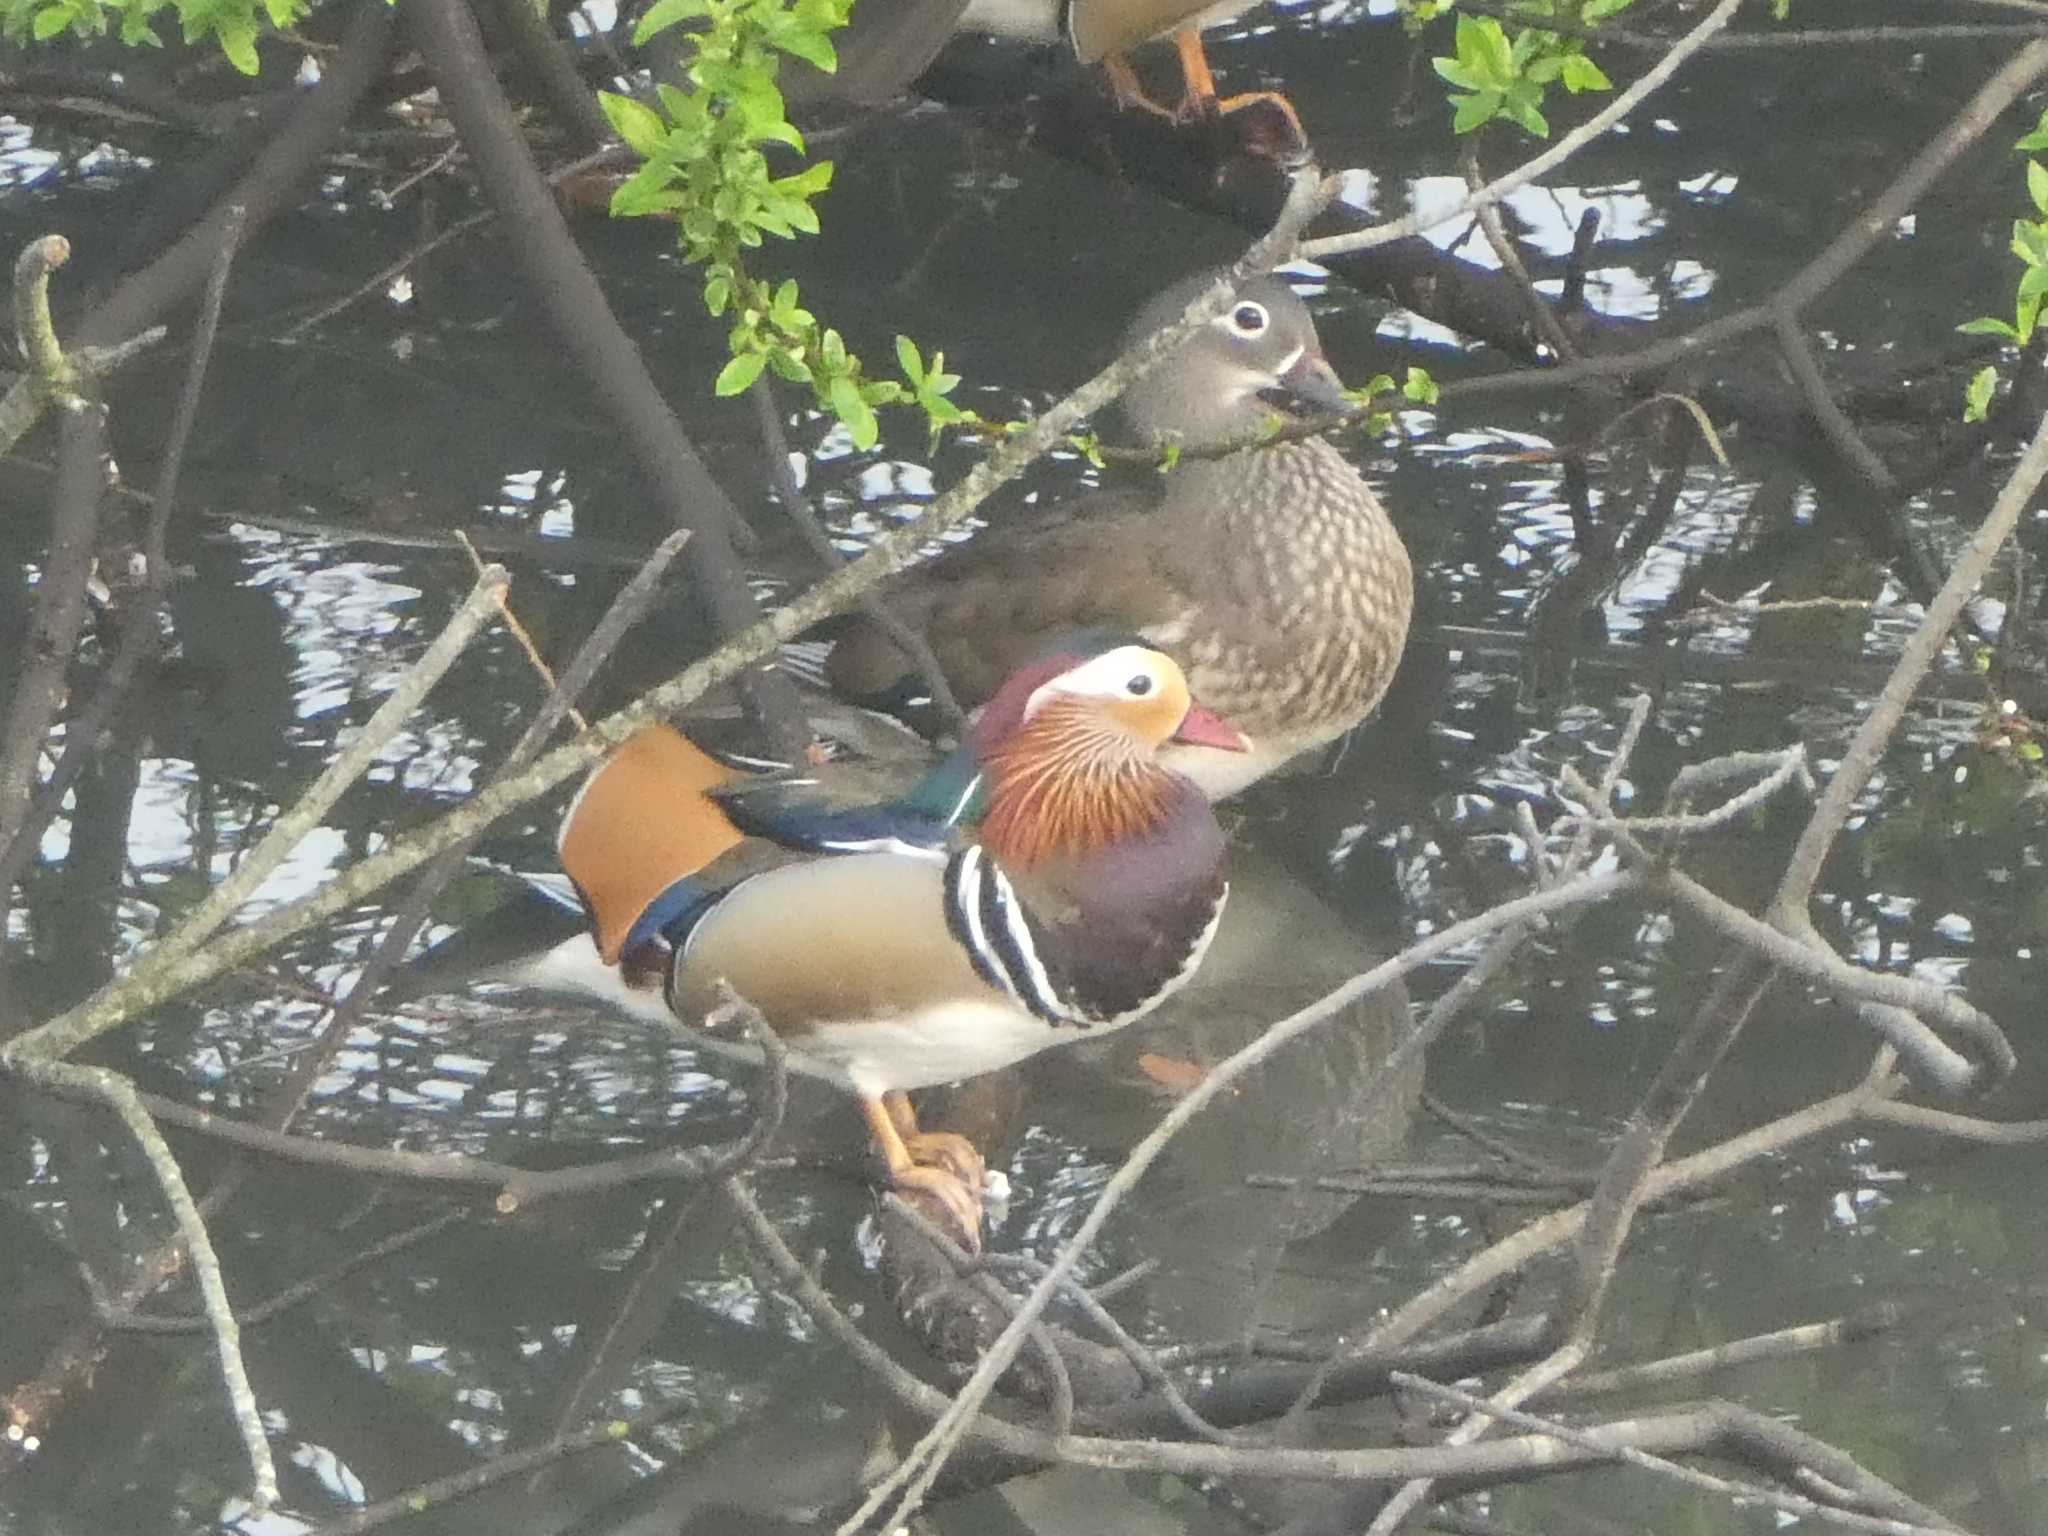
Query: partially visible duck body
point(1049, 882)
point(1272, 574)
point(887, 44)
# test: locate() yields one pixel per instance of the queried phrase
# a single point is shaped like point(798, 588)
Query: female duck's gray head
point(1258, 359)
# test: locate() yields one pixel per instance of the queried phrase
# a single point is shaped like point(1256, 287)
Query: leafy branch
point(2030, 244)
point(1497, 77)
point(708, 166)
point(232, 22)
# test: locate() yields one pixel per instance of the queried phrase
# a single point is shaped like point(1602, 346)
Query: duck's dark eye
point(1139, 686)
point(1248, 319)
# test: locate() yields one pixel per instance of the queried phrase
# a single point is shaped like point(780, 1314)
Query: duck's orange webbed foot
point(937, 1171)
point(1129, 91)
point(954, 1207)
point(953, 1153)
point(1269, 125)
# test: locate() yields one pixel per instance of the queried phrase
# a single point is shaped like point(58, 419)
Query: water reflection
point(486, 1334)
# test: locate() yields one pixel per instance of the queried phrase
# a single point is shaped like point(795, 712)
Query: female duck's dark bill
point(1200, 727)
point(1311, 383)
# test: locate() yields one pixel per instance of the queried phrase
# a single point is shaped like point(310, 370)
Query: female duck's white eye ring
point(1248, 319)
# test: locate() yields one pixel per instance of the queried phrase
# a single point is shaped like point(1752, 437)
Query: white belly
point(937, 1045)
point(914, 1050)
point(1031, 21)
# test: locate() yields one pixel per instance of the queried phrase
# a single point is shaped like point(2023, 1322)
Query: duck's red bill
point(1202, 728)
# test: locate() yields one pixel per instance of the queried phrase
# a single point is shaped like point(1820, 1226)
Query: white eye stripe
point(1115, 674)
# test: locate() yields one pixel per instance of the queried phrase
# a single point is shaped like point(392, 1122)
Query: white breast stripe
point(963, 890)
point(1021, 955)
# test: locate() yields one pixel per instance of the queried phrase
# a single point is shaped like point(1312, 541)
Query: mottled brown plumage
point(1271, 574)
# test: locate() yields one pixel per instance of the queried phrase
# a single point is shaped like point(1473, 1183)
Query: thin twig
point(507, 1464)
point(64, 1034)
point(1806, 1339)
point(1545, 320)
point(797, 507)
point(419, 253)
point(125, 1320)
point(931, 1452)
point(1539, 165)
point(103, 1086)
point(1594, 1440)
point(139, 632)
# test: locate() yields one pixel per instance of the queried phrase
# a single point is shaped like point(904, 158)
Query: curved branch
point(569, 294)
point(286, 161)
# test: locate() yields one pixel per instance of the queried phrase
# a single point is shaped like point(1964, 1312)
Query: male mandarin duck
point(1049, 881)
point(1271, 573)
point(887, 44)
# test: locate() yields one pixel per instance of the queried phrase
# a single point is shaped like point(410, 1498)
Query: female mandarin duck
point(1270, 573)
point(1049, 881)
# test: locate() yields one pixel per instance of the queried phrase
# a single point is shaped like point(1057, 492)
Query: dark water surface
point(453, 409)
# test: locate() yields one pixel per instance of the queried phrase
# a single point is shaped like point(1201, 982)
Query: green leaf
point(806, 183)
point(908, 360)
point(49, 23)
point(1977, 397)
point(639, 125)
point(679, 105)
point(1458, 75)
point(1524, 112)
point(738, 374)
point(645, 191)
point(664, 14)
point(2038, 139)
point(237, 36)
point(1581, 74)
point(1474, 111)
point(846, 403)
point(1419, 387)
point(1484, 46)
point(813, 48)
point(2037, 185)
point(1987, 325)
